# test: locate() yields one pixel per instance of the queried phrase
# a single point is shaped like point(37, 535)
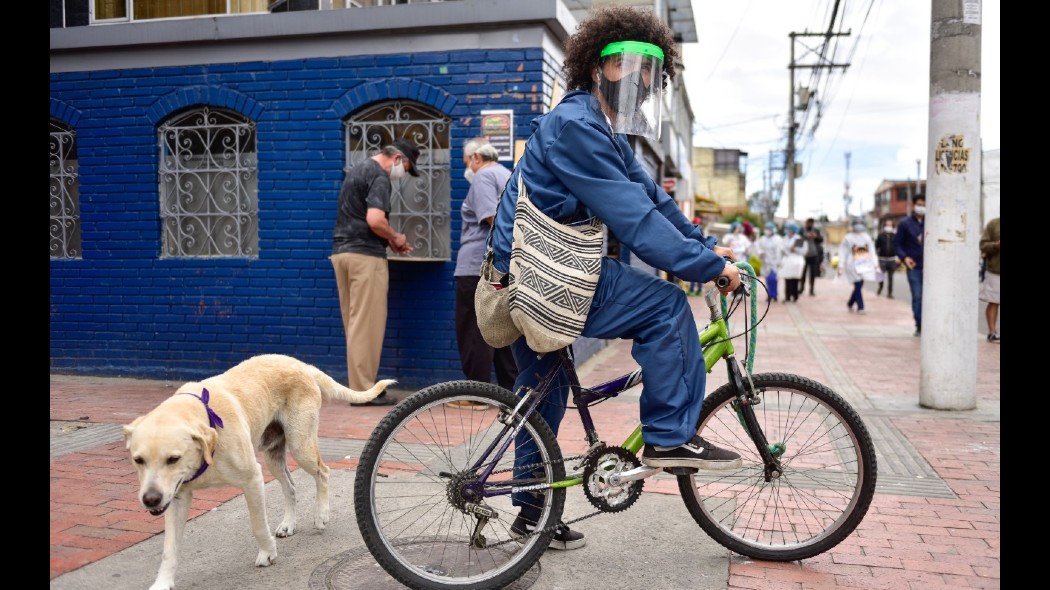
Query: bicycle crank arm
point(640, 472)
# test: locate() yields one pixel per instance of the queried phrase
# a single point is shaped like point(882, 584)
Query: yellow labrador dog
point(207, 434)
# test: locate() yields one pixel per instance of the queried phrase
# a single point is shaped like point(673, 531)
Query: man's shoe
point(918, 332)
point(993, 337)
point(696, 454)
point(564, 539)
point(381, 400)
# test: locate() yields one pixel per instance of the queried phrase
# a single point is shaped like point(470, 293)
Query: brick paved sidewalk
point(934, 521)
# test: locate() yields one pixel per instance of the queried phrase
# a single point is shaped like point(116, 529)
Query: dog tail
point(332, 389)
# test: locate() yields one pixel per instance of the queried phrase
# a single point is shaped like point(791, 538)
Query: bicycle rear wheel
point(828, 479)
point(418, 501)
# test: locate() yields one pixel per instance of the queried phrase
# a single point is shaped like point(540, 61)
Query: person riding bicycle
point(579, 164)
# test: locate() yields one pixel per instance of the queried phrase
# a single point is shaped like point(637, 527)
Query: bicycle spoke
point(824, 483)
point(420, 501)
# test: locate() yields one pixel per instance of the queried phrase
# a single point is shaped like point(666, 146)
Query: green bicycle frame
point(716, 345)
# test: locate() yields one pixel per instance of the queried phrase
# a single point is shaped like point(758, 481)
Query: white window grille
point(209, 184)
point(65, 193)
point(419, 207)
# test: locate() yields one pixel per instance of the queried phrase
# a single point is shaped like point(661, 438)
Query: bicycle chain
point(558, 525)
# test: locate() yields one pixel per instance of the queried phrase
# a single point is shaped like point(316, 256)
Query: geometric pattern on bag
point(554, 270)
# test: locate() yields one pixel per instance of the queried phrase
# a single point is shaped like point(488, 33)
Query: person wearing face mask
point(888, 262)
point(792, 261)
point(737, 241)
point(857, 262)
point(469, 148)
point(578, 164)
point(814, 254)
point(488, 177)
point(770, 250)
point(908, 246)
point(360, 239)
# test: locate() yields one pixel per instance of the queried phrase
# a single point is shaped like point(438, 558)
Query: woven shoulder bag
point(554, 270)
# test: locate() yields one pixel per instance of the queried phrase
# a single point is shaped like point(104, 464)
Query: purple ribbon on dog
point(213, 420)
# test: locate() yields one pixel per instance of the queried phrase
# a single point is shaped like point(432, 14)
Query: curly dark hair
point(609, 24)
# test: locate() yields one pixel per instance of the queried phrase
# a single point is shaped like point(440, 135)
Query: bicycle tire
point(416, 528)
point(829, 472)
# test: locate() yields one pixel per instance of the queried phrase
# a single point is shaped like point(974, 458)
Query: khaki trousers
point(363, 282)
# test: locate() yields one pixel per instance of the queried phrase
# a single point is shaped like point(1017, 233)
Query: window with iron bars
point(208, 173)
point(419, 207)
point(65, 193)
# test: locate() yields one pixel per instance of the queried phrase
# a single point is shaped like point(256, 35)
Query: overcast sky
point(878, 109)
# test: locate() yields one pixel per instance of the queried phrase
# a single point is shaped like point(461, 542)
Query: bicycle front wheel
point(828, 478)
point(422, 507)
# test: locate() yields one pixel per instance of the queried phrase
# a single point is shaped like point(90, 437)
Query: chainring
point(603, 464)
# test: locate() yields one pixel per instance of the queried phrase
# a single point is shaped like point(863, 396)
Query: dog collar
point(213, 420)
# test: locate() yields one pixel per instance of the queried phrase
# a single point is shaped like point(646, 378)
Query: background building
point(721, 177)
point(196, 163)
point(893, 199)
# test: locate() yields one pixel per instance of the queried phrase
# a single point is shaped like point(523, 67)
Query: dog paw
point(266, 558)
point(321, 521)
point(286, 529)
point(159, 585)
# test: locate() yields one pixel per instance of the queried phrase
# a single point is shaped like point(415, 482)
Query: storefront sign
point(498, 127)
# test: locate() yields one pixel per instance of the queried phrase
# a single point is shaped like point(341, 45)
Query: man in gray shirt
point(477, 356)
point(359, 242)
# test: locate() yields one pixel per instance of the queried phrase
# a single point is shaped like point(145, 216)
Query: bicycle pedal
point(681, 470)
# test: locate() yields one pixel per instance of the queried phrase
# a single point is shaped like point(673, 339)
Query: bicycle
point(432, 490)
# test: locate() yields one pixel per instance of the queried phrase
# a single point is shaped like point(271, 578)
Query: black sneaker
point(697, 454)
point(564, 539)
point(993, 337)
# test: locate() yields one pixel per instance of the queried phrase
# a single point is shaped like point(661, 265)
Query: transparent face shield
point(629, 84)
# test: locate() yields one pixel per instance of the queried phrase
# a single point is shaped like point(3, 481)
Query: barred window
point(419, 207)
point(65, 192)
point(209, 202)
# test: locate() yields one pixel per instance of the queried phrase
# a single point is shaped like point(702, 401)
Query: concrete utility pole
point(805, 96)
point(953, 198)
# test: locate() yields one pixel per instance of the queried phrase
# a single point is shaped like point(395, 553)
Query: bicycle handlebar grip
point(723, 282)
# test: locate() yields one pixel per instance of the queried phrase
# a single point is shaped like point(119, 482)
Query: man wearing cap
point(359, 241)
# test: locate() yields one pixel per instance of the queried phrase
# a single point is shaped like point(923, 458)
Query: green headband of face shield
point(638, 47)
point(629, 81)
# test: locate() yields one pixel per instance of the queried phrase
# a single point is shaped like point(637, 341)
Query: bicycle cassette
point(600, 468)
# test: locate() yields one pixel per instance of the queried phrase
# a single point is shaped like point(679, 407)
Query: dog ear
point(207, 438)
point(129, 428)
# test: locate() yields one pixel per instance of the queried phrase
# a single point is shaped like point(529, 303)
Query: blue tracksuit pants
point(655, 314)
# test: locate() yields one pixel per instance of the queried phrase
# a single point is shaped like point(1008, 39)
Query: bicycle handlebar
point(722, 282)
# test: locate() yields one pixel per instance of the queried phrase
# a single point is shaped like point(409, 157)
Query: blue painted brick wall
point(124, 310)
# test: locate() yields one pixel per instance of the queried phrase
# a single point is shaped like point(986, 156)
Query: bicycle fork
point(746, 400)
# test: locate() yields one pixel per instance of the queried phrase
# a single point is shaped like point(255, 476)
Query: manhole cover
point(357, 568)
